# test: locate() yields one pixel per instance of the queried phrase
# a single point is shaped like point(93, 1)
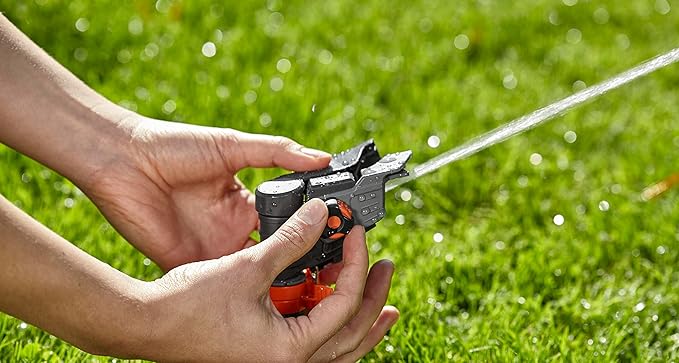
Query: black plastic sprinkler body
point(353, 188)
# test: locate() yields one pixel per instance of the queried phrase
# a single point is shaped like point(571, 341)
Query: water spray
point(536, 118)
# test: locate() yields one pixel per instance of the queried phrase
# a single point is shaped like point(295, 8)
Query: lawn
point(486, 268)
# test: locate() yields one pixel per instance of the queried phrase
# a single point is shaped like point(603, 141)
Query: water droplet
point(558, 219)
point(554, 18)
point(461, 41)
point(662, 7)
point(590, 341)
point(265, 119)
point(406, 195)
point(151, 50)
point(370, 125)
point(579, 85)
point(147, 262)
point(163, 6)
point(418, 203)
point(499, 245)
point(654, 317)
point(570, 136)
point(389, 348)
point(580, 209)
point(376, 247)
point(69, 202)
point(80, 54)
point(169, 106)
point(535, 159)
point(223, 92)
point(400, 219)
point(23, 325)
point(616, 188)
point(573, 36)
point(276, 84)
point(250, 97)
point(449, 280)
point(438, 237)
point(579, 175)
point(562, 162)
point(255, 80)
point(661, 250)
point(135, 26)
point(283, 65)
point(510, 81)
point(325, 56)
point(313, 108)
point(521, 300)
point(449, 257)
point(557, 272)
point(26, 178)
point(209, 49)
point(82, 24)
point(623, 41)
point(639, 307)
point(601, 16)
point(604, 206)
point(522, 181)
point(218, 35)
point(124, 56)
point(585, 304)
point(433, 141)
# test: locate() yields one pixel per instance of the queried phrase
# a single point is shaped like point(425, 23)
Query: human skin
point(180, 181)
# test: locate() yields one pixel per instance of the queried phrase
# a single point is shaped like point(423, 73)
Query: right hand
point(220, 310)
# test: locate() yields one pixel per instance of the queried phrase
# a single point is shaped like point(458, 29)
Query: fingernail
point(313, 211)
point(314, 153)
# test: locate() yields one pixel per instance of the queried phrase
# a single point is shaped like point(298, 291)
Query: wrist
point(124, 325)
point(101, 142)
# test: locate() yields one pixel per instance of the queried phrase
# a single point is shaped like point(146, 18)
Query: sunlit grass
point(483, 271)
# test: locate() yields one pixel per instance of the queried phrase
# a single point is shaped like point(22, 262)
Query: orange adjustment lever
point(300, 298)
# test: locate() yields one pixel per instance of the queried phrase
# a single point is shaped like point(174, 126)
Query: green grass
point(505, 283)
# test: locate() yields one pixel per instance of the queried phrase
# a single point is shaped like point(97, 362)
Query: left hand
point(176, 197)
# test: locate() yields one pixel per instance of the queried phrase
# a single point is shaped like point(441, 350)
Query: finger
point(293, 239)
point(385, 321)
point(336, 310)
point(261, 151)
point(328, 275)
point(374, 297)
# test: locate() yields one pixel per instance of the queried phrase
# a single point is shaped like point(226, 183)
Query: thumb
point(294, 238)
point(264, 151)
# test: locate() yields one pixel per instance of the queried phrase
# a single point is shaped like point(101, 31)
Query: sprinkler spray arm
point(353, 188)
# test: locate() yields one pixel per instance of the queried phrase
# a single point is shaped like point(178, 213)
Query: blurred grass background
point(504, 282)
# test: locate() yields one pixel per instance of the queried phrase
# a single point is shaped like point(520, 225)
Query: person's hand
point(219, 310)
point(175, 195)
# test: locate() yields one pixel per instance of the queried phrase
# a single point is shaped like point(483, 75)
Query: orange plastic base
point(300, 298)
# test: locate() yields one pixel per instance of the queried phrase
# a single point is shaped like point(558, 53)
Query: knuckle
point(291, 235)
point(284, 142)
